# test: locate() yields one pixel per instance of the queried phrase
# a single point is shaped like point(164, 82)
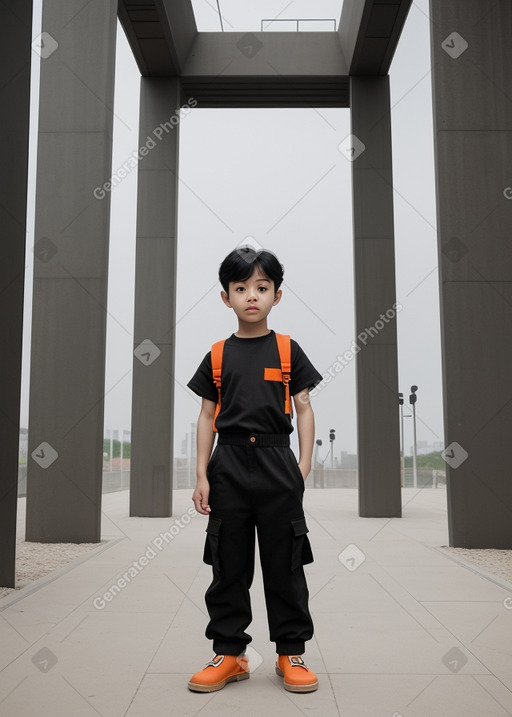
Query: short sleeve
point(202, 381)
point(304, 374)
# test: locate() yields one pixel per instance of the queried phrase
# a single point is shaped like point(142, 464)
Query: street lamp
point(412, 401)
point(332, 438)
point(402, 438)
point(318, 466)
point(318, 443)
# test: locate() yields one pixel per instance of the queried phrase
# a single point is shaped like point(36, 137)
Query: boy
point(253, 480)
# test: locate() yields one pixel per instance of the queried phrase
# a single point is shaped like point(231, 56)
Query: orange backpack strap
point(284, 373)
point(216, 355)
point(285, 355)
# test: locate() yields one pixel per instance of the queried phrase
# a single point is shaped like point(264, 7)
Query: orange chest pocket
point(273, 374)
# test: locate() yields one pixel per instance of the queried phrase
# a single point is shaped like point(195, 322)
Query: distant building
point(347, 460)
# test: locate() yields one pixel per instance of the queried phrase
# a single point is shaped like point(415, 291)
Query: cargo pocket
point(301, 547)
point(211, 546)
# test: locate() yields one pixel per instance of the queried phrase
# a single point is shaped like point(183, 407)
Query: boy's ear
point(277, 297)
point(225, 299)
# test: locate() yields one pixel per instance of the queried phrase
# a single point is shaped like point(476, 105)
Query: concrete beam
point(278, 91)
point(155, 303)
point(266, 69)
point(263, 69)
point(375, 299)
point(472, 76)
point(160, 33)
point(15, 54)
point(369, 32)
point(265, 54)
point(165, 42)
point(235, 69)
point(64, 471)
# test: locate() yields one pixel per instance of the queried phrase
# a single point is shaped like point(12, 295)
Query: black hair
point(240, 264)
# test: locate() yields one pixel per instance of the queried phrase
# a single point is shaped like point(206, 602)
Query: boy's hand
point(201, 495)
point(305, 429)
point(305, 469)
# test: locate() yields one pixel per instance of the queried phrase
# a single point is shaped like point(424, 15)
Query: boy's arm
point(205, 437)
point(305, 429)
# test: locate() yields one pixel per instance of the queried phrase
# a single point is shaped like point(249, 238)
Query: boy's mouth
point(252, 308)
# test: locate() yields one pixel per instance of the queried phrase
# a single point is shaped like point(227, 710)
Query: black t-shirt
point(249, 403)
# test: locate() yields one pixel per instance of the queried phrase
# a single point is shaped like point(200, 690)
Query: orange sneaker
point(297, 677)
point(219, 671)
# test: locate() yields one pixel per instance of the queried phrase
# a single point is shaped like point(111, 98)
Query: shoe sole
point(296, 688)
point(196, 687)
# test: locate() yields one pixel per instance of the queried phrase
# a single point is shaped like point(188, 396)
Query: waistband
point(264, 440)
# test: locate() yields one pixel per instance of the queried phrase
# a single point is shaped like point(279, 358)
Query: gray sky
point(277, 176)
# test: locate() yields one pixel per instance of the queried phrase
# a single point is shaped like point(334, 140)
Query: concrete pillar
point(472, 77)
point(15, 54)
point(155, 304)
point(70, 271)
point(375, 297)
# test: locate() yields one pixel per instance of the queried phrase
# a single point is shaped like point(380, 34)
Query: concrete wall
point(375, 295)
point(155, 302)
point(472, 77)
point(15, 56)
point(70, 272)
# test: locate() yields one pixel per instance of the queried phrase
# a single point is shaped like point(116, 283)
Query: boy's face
point(252, 299)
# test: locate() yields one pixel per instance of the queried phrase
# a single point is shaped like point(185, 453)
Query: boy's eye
point(262, 288)
point(240, 288)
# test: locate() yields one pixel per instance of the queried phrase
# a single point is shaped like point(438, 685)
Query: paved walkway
point(402, 629)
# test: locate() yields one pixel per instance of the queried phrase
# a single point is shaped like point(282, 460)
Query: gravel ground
point(495, 562)
point(35, 560)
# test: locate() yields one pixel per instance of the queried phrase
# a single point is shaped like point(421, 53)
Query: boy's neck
point(252, 331)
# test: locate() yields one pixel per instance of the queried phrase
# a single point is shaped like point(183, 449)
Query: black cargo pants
point(256, 484)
